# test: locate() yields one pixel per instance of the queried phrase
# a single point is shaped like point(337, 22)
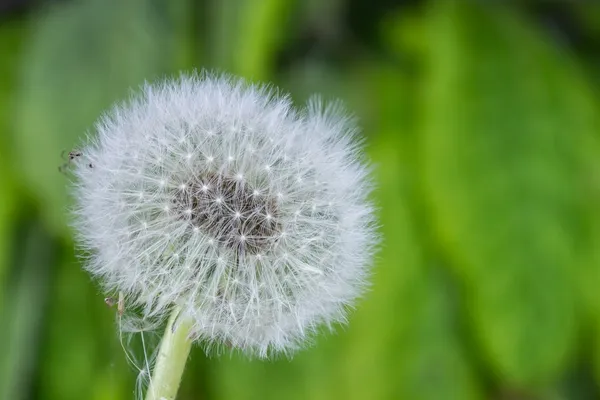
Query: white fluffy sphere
point(217, 196)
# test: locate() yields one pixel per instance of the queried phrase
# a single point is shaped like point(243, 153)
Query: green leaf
point(506, 127)
point(404, 341)
point(81, 57)
point(589, 249)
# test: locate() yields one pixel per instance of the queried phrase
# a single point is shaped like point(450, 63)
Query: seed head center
point(229, 210)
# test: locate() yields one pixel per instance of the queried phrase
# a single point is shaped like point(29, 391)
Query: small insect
point(70, 157)
point(110, 301)
point(72, 154)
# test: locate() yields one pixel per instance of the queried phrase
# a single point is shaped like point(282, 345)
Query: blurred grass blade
point(246, 35)
point(262, 32)
point(23, 311)
point(506, 130)
point(11, 37)
point(81, 56)
point(82, 357)
point(8, 206)
point(181, 20)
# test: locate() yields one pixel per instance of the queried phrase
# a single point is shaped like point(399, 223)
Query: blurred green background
point(483, 119)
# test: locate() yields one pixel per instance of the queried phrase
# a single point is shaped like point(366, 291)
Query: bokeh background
point(482, 118)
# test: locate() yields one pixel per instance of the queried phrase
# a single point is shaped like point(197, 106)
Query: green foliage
point(23, 311)
point(502, 162)
point(247, 46)
point(81, 337)
point(405, 337)
point(484, 130)
point(10, 39)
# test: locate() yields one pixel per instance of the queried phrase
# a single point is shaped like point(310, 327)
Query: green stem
point(170, 363)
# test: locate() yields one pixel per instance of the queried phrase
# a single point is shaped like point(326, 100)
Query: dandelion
point(216, 202)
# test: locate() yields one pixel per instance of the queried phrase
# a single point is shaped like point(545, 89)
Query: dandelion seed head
point(178, 211)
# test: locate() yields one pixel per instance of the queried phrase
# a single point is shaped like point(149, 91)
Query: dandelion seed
point(228, 249)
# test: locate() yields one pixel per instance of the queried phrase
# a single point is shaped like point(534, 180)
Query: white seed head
point(258, 248)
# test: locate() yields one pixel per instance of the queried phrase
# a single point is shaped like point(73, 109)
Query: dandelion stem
point(170, 363)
